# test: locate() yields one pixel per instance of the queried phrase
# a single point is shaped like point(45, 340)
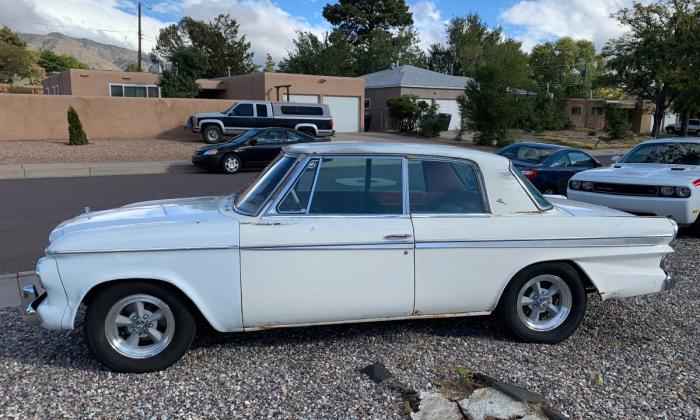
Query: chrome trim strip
point(545, 243)
point(316, 247)
point(103, 251)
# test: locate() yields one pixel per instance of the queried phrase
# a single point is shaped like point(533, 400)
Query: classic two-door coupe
point(335, 233)
point(656, 178)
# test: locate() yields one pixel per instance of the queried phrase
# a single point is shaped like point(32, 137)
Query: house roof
point(411, 76)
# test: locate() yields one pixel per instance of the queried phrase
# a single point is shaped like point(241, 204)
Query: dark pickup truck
point(312, 119)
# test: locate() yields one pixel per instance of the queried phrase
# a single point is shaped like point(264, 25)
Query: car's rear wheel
point(212, 134)
point(138, 327)
point(670, 130)
point(544, 303)
point(231, 164)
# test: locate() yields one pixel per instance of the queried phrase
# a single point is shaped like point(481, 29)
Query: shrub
point(76, 134)
point(429, 123)
point(404, 110)
point(616, 124)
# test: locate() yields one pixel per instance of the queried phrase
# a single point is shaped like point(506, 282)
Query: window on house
point(597, 110)
point(134, 91)
point(575, 110)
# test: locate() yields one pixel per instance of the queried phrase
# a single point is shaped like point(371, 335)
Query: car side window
point(444, 187)
point(243, 110)
point(297, 198)
point(581, 160)
point(261, 110)
point(293, 137)
point(268, 137)
point(358, 186)
point(562, 162)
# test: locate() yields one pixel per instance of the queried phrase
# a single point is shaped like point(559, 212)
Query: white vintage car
point(338, 233)
point(656, 178)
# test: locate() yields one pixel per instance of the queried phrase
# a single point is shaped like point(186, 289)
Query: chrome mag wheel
point(544, 302)
point(139, 326)
point(232, 164)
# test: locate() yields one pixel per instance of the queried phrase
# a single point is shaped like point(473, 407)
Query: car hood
point(161, 224)
point(202, 115)
point(577, 208)
point(643, 173)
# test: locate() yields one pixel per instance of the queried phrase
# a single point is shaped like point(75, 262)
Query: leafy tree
point(16, 60)
point(269, 64)
point(540, 112)
point(76, 134)
point(685, 79)
point(358, 18)
point(565, 67)
point(467, 39)
point(218, 41)
point(646, 61)
point(616, 124)
point(490, 104)
point(131, 67)
point(189, 64)
point(406, 111)
point(311, 55)
point(382, 49)
point(52, 62)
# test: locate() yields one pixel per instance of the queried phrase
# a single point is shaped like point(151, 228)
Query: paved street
point(30, 208)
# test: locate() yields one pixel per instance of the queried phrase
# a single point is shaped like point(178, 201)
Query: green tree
point(358, 18)
point(188, 65)
point(565, 67)
point(310, 55)
point(132, 67)
point(218, 41)
point(16, 60)
point(269, 64)
point(52, 62)
point(646, 61)
point(490, 103)
point(381, 49)
point(76, 134)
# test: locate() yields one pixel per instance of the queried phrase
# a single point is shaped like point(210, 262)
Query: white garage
point(345, 111)
point(449, 106)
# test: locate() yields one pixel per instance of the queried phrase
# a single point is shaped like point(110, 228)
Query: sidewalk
point(54, 170)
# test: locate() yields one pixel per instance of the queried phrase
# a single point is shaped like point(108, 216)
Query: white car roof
point(399, 148)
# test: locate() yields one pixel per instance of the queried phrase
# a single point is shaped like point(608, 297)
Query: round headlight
point(587, 185)
point(667, 191)
point(210, 152)
point(683, 192)
point(575, 185)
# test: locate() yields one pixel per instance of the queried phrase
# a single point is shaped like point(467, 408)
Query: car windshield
point(669, 153)
point(246, 135)
point(250, 201)
point(527, 153)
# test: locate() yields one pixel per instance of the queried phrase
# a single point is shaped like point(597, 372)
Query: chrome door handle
point(397, 237)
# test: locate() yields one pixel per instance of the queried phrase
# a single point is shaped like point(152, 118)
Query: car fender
point(202, 123)
point(307, 125)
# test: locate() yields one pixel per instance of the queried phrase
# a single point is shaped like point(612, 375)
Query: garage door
point(307, 99)
point(345, 111)
point(449, 106)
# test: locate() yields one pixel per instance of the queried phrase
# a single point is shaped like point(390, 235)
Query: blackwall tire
point(138, 327)
point(212, 134)
point(544, 303)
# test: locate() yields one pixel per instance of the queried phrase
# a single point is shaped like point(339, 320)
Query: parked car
point(658, 177)
point(343, 232)
point(312, 119)
point(677, 128)
point(548, 166)
point(252, 149)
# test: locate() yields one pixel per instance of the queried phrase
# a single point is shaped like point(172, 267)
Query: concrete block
point(55, 170)
point(11, 171)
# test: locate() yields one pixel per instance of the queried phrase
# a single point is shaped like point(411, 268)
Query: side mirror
point(615, 158)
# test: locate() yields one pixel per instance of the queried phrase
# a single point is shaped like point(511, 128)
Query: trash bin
point(445, 120)
point(368, 120)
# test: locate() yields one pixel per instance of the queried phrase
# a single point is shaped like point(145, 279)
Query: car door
point(294, 137)
point(263, 116)
point(558, 172)
point(335, 246)
point(240, 117)
point(447, 202)
point(268, 145)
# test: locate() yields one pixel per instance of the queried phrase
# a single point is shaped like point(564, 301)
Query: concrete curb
point(58, 170)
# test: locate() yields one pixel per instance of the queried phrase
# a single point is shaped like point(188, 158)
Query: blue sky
point(270, 25)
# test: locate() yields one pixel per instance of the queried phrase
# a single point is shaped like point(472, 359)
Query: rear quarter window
point(301, 110)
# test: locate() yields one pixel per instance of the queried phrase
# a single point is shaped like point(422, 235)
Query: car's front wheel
point(231, 164)
point(544, 303)
point(138, 327)
point(212, 134)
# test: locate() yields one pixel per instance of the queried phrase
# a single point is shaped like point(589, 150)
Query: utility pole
point(138, 62)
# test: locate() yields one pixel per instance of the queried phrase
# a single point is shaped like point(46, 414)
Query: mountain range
point(99, 56)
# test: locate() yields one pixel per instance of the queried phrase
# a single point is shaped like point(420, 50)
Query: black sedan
point(548, 166)
point(251, 149)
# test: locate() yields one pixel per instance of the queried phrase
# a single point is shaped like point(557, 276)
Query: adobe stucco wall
point(95, 82)
point(41, 117)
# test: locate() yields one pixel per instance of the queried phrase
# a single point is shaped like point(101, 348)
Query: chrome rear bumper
point(31, 299)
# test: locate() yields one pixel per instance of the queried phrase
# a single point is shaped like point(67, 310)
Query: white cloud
point(428, 22)
point(535, 21)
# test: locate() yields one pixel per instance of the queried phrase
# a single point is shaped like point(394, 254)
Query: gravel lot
point(636, 358)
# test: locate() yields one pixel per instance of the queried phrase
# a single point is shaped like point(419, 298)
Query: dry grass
point(582, 139)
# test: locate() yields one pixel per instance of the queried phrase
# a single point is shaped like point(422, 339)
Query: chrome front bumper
point(669, 282)
point(31, 299)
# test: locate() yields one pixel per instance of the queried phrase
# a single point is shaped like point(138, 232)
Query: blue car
point(548, 166)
